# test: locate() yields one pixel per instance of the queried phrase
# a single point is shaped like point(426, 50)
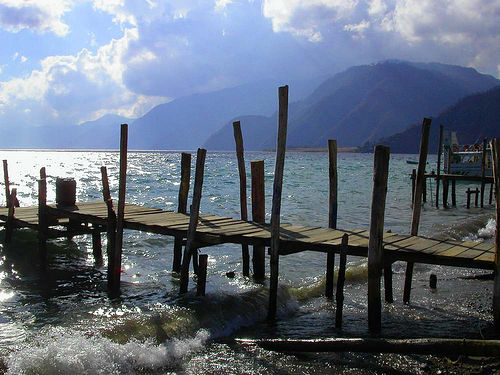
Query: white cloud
point(35, 15)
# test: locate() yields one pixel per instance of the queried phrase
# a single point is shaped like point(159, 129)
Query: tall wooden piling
point(42, 222)
point(332, 212)
point(276, 207)
point(182, 206)
point(202, 275)
point(446, 184)
point(238, 139)
point(483, 171)
point(453, 193)
point(7, 183)
point(114, 288)
point(495, 150)
point(339, 296)
point(417, 203)
point(111, 225)
point(97, 246)
point(9, 225)
point(438, 172)
point(258, 215)
point(190, 248)
point(375, 244)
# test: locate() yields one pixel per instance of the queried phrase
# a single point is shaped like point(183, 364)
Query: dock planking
point(214, 229)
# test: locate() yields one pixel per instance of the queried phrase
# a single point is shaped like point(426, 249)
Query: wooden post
point(424, 189)
point(468, 197)
point(453, 193)
point(483, 171)
point(97, 246)
point(202, 275)
point(9, 225)
point(277, 189)
point(182, 206)
point(417, 203)
point(332, 213)
point(375, 244)
point(440, 151)
point(117, 256)
point(42, 222)
point(259, 216)
point(238, 139)
point(7, 184)
point(476, 197)
point(190, 248)
point(495, 149)
point(111, 225)
point(339, 297)
point(446, 184)
point(491, 192)
point(413, 179)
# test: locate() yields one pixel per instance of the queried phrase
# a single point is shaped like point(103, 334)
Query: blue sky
point(63, 62)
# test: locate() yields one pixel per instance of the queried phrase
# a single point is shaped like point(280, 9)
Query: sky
point(64, 62)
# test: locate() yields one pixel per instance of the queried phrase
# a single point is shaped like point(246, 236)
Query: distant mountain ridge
point(473, 118)
point(365, 103)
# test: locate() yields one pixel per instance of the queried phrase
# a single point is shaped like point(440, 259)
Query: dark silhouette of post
point(259, 216)
point(182, 206)
point(332, 213)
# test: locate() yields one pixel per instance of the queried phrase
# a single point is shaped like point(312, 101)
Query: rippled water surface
point(64, 322)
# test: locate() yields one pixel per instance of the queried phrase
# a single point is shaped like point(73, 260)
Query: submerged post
point(332, 213)
point(339, 297)
point(117, 256)
point(438, 174)
point(277, 189)
point(495, 150)
point(259, 216)
point(193, 219)
point(417, 203)
point(182, 206)
point(238, 139)
point(375, 244)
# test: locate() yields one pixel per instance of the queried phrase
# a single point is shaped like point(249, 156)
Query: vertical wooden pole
point(424, 189)
point(417, 203)
point(454, 193)
point(468, 197)
point(7, 184)
point(202, 275)
point(190, 247)
point(483, 171)
point(277, 190)
point(389, 298)
point(332, 213)
point(111, 225)
point(413, 179)
point(375, 244)
point(238, 139)
point(182, 206)
point(258, 215)
point(446, 184)
point(9, 225)
point(495, 150)
point(122, 186)
point(476, 197)
point(42, 222)
point(440, 151)
point(97, 246)
point(339, 297)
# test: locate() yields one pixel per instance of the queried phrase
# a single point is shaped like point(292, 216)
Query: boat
point(464, 159)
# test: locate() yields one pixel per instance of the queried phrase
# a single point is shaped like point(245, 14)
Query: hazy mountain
point(365, 103)
point(186, 123)
point(473, 118)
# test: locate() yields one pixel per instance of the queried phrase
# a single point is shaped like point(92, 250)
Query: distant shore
point(317, 149)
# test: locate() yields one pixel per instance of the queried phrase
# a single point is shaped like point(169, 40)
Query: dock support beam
point(438, 172)
point(375, 244)
point(332, 213)
point(238, 139)
point(495, 150)
point(182, 207)
point(259, 216)
point(339, 296)
point(9, 225)
point(42, 220)
point(417, 203)
point(190, 247)
point(276, 209)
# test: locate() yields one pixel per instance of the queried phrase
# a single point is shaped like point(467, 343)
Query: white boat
point(464, 159)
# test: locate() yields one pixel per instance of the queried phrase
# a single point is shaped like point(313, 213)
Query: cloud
point(38, 16)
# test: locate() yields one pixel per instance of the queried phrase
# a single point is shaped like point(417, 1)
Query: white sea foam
point(63, 352)
point(489, 230)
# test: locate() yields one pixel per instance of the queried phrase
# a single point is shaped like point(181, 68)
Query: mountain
point(473, 118)
point(185, 123)
point(365, 103)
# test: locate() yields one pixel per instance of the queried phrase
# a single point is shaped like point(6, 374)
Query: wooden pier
point(195, 230)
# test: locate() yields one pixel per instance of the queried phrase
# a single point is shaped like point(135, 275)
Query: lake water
point(64, 323)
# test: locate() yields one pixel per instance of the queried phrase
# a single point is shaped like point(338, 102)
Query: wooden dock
point(212, 230)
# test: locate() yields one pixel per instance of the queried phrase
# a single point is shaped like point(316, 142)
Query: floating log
point(438, 173)
point(276, 208)
point(495, 150)
point(431, 346)
point(332, 213)
point(417, 203)
point(259, 216)
point(238, 139)
point(190, 247)
point(339, 297)
point(375, 246)
point(182, 206)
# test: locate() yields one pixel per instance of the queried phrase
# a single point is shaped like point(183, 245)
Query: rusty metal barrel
point(65, 191)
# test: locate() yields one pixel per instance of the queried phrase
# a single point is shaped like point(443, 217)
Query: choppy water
point(64, 323)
